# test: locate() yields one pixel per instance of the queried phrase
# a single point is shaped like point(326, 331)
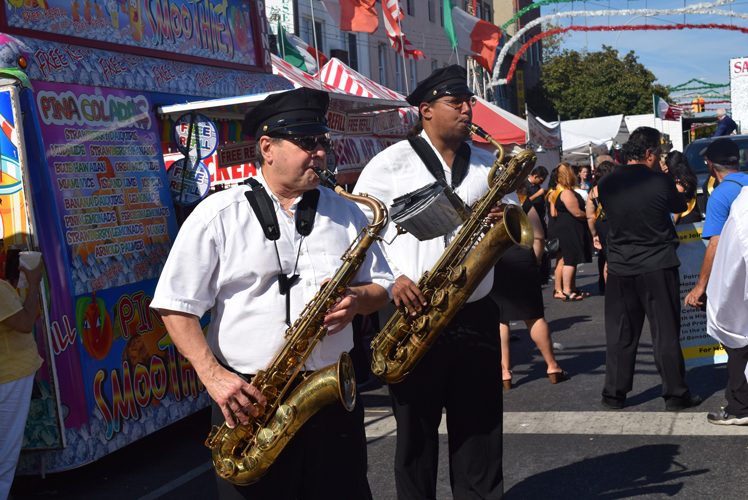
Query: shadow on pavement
point(646, 470)
point(561, 324)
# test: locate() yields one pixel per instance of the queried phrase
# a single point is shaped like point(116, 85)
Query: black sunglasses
point(309, 142)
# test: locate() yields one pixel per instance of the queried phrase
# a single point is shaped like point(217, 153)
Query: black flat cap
point(722, 151)
point(296, 112)
point(444, 81)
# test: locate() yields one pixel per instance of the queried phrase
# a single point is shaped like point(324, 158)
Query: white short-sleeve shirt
point(221, 260)
point(727, 291)
point(398, 170)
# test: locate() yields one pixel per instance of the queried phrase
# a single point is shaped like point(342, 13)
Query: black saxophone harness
point(264, 210)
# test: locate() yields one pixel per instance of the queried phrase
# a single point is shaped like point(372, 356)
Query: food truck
point(95, 95)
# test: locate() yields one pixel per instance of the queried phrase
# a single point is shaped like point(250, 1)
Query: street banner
point(548, 137)
point(698, 347)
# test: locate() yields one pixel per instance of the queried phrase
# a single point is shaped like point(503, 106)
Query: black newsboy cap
point(444, 81)
point(722, 152)
point(296, 112)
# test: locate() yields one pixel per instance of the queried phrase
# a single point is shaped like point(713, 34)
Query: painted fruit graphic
point(87, 10)
point(75, 7)
point(94, 326)
point(240, 28)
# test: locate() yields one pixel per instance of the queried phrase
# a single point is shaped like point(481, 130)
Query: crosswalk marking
point(593, 423)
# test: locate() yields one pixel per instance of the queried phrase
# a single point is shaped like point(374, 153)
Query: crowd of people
point(244, 264)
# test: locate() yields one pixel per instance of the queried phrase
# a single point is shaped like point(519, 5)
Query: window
point(431, 11)
point(307, 34)
point(399, 74)
point(352, 51)
point(382, 72)
point(441, 13)
point(487, 13)
point(433, 65)
point(478, 10)
point(413, 78)
point(411, 7)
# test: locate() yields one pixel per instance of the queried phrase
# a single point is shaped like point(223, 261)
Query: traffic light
point(695, 105)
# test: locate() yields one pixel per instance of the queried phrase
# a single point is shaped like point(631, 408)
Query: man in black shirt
point(536, 192)
point(643, 276)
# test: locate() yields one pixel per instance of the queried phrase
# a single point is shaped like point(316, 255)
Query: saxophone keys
point(284, 414)
point(265, 437)
point(225, 468)
point(421, 325)
point(440, 299)
point(456, 274)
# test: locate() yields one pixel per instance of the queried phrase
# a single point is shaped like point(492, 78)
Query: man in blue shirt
point(726, 124)
point(722, 158)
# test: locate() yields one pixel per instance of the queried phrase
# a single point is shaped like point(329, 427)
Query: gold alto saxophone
point(243, 455)
point(401, 344)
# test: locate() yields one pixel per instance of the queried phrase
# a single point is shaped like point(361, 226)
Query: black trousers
point(325, 460)
point(462, 373)
point(736, 392)
point(627, 300)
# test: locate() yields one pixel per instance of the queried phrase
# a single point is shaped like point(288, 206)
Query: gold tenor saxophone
point(243, 455)
point(401, 344)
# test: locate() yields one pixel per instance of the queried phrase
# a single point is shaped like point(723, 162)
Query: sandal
point(557, 377)
point(572, 297)
point(582, 294)
point(507, 381)
point(556, 293)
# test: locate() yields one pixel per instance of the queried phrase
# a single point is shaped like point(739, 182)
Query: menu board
point(217, 30)
point(109, 184)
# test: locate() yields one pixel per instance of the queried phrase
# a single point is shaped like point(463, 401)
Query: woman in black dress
point(517, 292)
point(598, 223)
point(571, 229)
point(558, 272)
point(686, 182)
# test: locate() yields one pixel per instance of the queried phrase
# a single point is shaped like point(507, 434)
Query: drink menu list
point(109, 184)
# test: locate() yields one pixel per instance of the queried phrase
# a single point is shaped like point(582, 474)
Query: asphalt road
point(558, 441)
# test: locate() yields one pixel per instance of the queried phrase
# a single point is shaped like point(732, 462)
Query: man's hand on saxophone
point(405, 293)
point(228, 390)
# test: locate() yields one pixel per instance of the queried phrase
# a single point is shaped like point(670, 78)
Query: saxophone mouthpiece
point(475, 129)
point(327, 178)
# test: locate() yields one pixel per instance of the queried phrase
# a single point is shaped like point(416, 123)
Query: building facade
point(423, 24)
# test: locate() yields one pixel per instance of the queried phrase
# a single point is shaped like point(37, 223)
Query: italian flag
point(666, 111)
point(295, 51)
point(478, 38)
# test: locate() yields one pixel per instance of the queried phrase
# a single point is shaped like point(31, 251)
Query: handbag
point(552, 246)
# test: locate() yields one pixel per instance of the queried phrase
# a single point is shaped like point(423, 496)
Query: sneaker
point(723, 418)
point(689, 403)
point(611, 406)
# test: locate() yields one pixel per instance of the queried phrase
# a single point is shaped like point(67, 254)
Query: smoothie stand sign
point(220, 31)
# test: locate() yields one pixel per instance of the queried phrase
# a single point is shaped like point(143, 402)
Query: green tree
point(590, 84)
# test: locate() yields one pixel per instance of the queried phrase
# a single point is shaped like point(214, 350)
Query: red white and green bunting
point(297, 52)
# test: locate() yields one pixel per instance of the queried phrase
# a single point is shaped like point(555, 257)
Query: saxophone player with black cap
point(461, 371)
point(255, 255)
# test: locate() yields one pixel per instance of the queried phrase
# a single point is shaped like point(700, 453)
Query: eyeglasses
point(457, 102)
point(309, 142)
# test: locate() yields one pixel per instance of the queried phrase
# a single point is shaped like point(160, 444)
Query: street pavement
point(558, 441)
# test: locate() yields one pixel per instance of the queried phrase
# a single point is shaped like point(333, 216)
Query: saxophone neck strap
point(264, 210)
point(428, 156)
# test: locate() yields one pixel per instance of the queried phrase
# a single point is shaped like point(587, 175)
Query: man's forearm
point(371, 297)
point(184, 329)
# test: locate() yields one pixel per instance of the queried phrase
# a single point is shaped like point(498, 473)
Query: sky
point(674, 57)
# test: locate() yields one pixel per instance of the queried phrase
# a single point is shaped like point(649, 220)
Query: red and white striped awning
point(300, 78)
point(339, 75)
